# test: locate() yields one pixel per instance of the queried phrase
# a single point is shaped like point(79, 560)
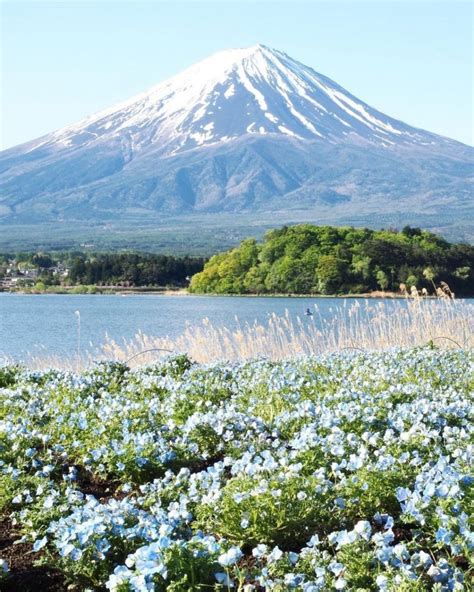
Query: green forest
point(306, 259)
point(101, 269)
point(133, 269)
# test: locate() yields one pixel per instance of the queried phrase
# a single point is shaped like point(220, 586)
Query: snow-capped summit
point(247, 131)
point(255, 90)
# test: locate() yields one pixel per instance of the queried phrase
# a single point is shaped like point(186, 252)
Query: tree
point(279, 276)
point(39, 287)
point(254, 280)
point(362, 266)
point(411, 232)
point(382, 279)
point(329, 274)
point(42, 260)
point(248, 253)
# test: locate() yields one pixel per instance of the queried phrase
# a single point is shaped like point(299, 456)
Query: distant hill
point(240, 137)
point(309, 259)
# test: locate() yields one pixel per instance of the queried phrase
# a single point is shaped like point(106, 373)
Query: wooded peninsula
point(328, 260)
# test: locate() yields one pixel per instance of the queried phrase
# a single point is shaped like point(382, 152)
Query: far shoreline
point(121, 291)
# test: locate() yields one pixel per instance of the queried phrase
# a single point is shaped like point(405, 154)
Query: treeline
point(133, 269)
point(102, 269)
point(307, 259)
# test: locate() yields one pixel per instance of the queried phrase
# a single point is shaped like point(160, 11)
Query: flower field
point(349, 471)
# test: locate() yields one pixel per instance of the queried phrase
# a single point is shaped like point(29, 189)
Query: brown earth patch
point(24, 575)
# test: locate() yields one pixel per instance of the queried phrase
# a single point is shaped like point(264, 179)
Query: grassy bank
point(340, 472)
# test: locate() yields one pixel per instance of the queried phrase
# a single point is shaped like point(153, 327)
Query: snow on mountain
point(255, 91)
point(244, 132)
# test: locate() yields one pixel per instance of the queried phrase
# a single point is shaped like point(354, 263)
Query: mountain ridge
point(219, 70)
point(242, 131)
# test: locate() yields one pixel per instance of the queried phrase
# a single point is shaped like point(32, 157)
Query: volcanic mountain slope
point(247, 131)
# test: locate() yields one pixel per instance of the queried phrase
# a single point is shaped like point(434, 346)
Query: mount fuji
point(247, 136)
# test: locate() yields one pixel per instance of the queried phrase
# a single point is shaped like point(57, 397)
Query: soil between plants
point(24, 575)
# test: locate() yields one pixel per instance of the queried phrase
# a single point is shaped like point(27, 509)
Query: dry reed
point(366, 326)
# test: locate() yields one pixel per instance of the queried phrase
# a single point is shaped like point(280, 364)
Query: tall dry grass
point(361, 325)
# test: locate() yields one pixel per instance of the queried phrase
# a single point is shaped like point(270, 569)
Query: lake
point(48, 323)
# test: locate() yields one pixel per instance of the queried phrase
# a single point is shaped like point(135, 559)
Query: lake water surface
point(49, 323)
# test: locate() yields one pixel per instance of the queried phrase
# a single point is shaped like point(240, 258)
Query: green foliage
point(373, 491)
point(86, 271)
point(273, 510)
point(9, 375)
point(359, 561)
point(382, 279)
point(189, 570)
point(329, 274)
point(132, 269)
point(309, 259)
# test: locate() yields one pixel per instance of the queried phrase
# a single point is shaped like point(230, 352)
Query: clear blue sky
point(62, 61)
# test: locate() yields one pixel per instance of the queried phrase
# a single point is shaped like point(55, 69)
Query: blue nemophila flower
point(293, 580)
point(311, 587)
point(248, 452)
point(102, 545)
point(313, 541)
point(402, 494)
point(363, 529)
point(121, 577)
point(39, 544)
point(444, 536)
point(48, 502)
point(336, 568)
point(223, 578)
point(385, 520)
point(293, 557)
point(149, 560)
point(421, 559)
point(238, 497)
point(260, 551)
point(440, 573)
point(230, 557)
point(382, 583)
point(274, 555)
point(342, 538)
